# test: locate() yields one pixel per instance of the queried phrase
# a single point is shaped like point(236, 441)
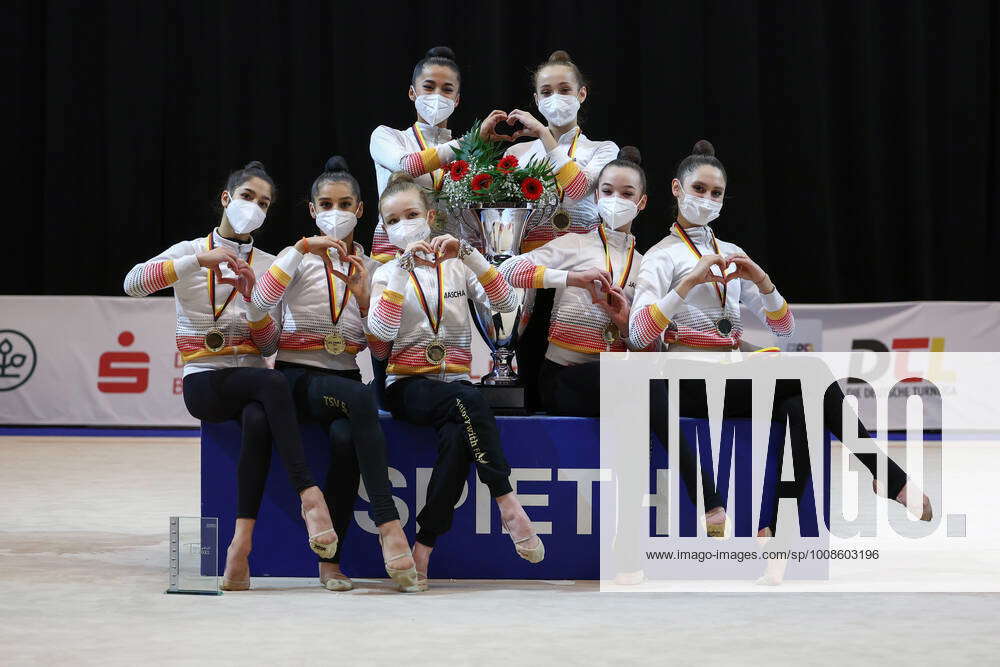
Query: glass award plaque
point(194, 555)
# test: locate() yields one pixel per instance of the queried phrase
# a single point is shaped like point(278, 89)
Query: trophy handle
point(481, 327)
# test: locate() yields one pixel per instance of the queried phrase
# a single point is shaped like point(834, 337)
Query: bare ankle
point(390, 529)
point(311, 497)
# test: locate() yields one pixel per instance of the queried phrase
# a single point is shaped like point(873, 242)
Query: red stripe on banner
point(910, 343)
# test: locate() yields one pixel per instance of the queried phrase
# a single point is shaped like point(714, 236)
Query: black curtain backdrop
point(861, 138)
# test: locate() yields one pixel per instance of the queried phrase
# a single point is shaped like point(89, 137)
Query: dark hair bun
point(560, 57)
point(255, 164)
point(441, 52)
point(631, 154)
point(703, 147)
point(337, 163)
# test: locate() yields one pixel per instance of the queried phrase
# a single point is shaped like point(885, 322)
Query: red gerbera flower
point(507, 164)
point(481, 182)
point(531, 188)
point(459, 169)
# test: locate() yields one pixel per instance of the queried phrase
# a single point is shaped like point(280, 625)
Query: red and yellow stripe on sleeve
point(571, 180)
point(273, 285)
point(385, 317)
point(422, 162)
point(494, 285)
point(524, 274)
point(158, 275)
point(647, 326)
point(780, 321)
point(264, 334)
point(382, 250)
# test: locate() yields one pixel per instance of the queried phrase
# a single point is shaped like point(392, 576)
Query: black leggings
point(260, 398)
point(575, 391)
point(531, 347)
point(467, 433)
point(346, 408)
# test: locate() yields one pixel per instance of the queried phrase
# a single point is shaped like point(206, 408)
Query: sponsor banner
point(111, 361)
point(90, 361)
point(908, 330)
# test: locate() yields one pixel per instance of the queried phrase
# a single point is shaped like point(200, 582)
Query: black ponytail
point(439, 55)
point(335, 171)
point(702, 154)
point(629, 157)
point(253, 169)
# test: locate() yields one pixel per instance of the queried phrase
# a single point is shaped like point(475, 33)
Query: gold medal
point(435, 351)
point(561, 219)
point(611, 331)
point(215, 340)
point(724, 326)
point(334, 343)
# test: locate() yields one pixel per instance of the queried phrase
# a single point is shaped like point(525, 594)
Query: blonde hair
point(400, 181)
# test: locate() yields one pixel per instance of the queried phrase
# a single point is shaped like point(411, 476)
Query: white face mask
point(244, 216)
point(434, 108)
point(559, 110)
point(699, 210)
point(335, 223)
point(616, 212)
point(405, 232)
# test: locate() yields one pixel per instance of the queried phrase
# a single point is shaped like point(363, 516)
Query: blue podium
point(555, 463)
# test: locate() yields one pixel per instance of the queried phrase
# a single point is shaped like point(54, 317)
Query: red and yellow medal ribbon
point(435, 324)
point(335, 310)
point(438, 174)
point(721, 291)
point(217, 312)
point(607, 257)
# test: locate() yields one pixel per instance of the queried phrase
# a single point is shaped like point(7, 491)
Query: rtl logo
point(130, 378)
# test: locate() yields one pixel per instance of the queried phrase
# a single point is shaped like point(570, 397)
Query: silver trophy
point(498, 230)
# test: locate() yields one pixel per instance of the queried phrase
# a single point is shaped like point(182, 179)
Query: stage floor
point(83, 562)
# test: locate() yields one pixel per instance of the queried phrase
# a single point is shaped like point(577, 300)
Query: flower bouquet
point(482, 176)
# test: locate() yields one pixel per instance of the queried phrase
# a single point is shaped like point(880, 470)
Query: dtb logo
point(901, 347)
point(129, 377)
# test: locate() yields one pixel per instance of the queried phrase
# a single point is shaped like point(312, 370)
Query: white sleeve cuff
point(254, 314)
point(555, 278)
point(773, 301)
point(397, 281)
point(186, 266)
point(670, 304)
point(290, 260)
point(476, 262)
point(558, 158)
point(446, 152)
